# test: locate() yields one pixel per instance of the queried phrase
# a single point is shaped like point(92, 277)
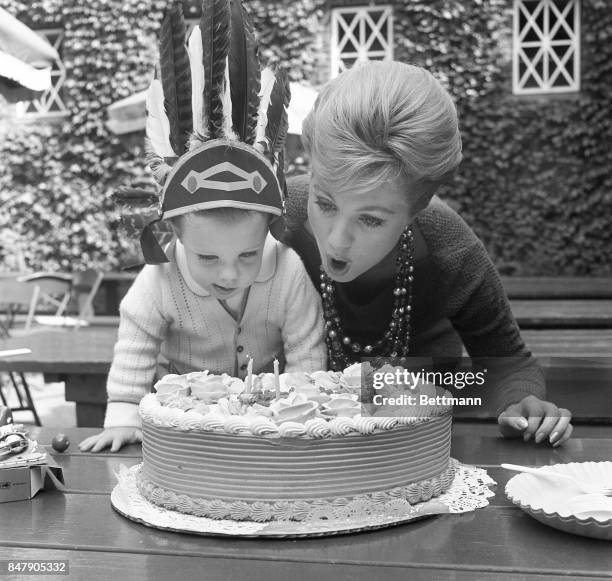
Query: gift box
point(23, 482)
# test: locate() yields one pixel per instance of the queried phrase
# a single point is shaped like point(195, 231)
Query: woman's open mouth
point(337, 267)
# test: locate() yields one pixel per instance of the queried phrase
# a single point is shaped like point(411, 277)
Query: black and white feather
point(210, 86)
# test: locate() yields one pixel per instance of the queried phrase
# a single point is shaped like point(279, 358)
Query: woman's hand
point(115, 438)
point(533, 417)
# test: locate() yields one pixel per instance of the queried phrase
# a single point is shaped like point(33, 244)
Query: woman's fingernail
point(538, 438)
point(526, 437)
point(522, 423)
point(553, 437)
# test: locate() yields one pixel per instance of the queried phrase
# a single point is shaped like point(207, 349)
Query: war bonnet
point(216, 124)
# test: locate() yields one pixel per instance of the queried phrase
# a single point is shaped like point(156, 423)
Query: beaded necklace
point(342, 350)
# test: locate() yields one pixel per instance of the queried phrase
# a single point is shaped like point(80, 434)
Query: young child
point(226, 289)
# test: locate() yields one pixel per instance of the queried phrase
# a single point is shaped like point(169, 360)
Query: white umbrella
point(129, 114)
point(25, 59)
point(302, 101)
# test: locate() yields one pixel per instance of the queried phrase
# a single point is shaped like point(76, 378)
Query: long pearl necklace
point(342, 350)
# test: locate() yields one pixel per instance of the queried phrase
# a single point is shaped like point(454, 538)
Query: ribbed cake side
point(215, 473)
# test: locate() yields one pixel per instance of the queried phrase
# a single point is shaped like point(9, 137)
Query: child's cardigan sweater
point(167, 313)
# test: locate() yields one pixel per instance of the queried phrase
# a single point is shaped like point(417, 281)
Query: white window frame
point(553, 66)
point(341, 31)
point(50, 104)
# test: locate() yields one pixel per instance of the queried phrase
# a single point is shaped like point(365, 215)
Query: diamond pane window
point(546, 46)
point(50, 103)
point(360, 34)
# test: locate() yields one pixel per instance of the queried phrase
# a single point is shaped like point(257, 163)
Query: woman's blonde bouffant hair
point(380, 121)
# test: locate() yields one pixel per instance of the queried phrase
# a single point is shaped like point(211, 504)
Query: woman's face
point(355, 229)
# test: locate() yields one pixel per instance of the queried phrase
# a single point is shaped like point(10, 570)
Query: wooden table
point(81, 358)
point(499, 542)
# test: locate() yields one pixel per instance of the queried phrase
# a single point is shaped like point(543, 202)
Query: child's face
point(356, 229)
point(222, 257)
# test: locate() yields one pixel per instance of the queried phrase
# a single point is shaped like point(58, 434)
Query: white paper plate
point(560, 505)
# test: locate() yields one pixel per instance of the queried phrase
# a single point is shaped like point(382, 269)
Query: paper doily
point(469, 491)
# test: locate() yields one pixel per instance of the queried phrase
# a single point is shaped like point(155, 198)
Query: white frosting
point(321, 405)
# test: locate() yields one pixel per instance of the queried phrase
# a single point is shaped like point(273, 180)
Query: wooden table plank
point(92, 475)
point(101, 566)
point(44, 435)
point(562, 314)
point(88, 350)
point(491, 539)
point(542, 287)
point(492, 452)
point(561, 343)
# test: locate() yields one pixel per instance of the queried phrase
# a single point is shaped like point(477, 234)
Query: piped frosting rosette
point(318, 405)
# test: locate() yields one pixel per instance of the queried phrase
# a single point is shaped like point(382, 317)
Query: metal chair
point(55, 290)
point(85, 286)
point(22, 392)
point(16, 296)
point(72, 295)
point(59, 290)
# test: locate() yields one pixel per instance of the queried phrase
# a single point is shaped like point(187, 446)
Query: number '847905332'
point(33, 567)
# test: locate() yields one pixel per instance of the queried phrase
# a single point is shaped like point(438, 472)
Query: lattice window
point(360, 34)
point(50, 103)
point(546, 48)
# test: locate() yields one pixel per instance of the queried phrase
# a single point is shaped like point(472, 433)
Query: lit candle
point(276, 378)
point(249, 382)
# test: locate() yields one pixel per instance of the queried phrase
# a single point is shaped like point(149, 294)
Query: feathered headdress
point(216, 124)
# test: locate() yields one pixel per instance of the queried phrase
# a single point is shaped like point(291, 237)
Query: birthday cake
point(294, 447)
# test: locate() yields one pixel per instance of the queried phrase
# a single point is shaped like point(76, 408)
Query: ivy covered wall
point(536, 181)
point(56, 177)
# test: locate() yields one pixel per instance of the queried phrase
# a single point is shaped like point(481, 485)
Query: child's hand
point(115, 438)
point(533, 417)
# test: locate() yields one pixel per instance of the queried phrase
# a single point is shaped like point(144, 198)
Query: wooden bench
point(561, 302)
point(557, 287)
point(563, 313)
point(567, 324)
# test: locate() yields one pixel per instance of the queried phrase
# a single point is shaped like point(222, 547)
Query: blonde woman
point(400, 273)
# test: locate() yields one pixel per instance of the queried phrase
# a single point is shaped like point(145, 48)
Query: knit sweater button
point(240, 348)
